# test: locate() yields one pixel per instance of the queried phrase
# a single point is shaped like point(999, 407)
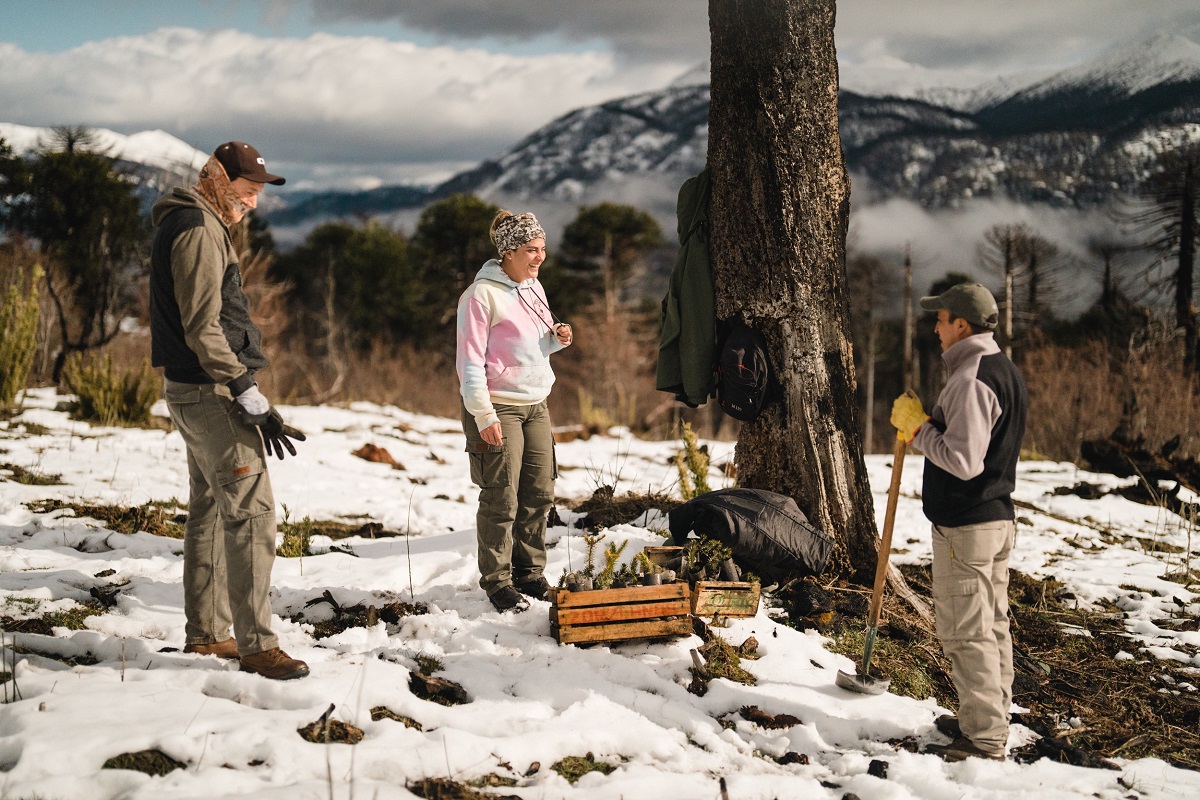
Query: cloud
point(1015, 35)
point(329, 100)
point(1006, 37)
point(638, 31)
point(948, 240)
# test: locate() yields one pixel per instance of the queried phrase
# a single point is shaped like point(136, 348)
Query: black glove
point(276, 434)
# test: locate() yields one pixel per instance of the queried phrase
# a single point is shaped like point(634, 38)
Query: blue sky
point(364, 92)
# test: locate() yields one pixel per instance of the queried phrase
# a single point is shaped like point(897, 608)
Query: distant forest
point(363, 311)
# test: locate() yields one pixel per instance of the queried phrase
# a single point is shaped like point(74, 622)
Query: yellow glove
point(908, 415)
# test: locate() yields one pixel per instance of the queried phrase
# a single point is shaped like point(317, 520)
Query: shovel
point(862, 682)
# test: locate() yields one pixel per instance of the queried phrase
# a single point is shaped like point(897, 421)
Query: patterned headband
point(514, 231)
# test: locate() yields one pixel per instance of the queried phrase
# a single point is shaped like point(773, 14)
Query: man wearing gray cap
point(202, 335)
point(971, 442)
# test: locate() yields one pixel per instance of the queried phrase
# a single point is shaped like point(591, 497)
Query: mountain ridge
point(1078, 136)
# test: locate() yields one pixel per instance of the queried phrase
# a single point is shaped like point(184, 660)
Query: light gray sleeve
point(970, 409)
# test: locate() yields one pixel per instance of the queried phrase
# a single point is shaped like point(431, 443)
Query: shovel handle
point(885, 542)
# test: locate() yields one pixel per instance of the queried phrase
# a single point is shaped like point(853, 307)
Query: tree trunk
point(911, 371)
point(778, 217)
point(872, 344)
point(1008, 308)
point(1185, 311)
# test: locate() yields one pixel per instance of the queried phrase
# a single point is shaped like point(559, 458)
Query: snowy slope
point(1029, 138)
point(1162, 60)
point(157, 149)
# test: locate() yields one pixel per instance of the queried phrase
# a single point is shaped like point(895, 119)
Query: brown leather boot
point(961, 749)
point(274, 664)
point(225, 649)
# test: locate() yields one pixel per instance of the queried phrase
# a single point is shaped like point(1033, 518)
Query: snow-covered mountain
point(156, 149)
point(154, 160)
point(1163, 60)
point(1075, 138)
point(662, 132)
point(1072, 138)
point(1126, 71)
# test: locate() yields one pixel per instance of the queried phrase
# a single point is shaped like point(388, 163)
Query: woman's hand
point(563, 331)
point(493, 435)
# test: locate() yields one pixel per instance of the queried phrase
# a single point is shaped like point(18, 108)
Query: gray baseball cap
point(971, 301)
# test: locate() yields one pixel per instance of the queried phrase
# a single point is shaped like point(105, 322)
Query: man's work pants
point(229, 539)
point(970, 603)
point(516, 490)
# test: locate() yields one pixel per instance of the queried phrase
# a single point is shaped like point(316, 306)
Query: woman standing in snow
point(506, 333)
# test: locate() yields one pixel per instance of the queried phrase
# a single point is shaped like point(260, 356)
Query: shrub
point(297, 537)
point(109, 397)
point(692, 464)
point(18, 335)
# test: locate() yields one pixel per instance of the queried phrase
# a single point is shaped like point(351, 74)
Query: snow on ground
point(532, 700)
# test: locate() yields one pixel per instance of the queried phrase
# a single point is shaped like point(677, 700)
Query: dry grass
point(1077, 394)
point(159, 518)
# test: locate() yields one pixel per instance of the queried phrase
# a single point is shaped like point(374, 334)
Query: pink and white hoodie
point(505, 338)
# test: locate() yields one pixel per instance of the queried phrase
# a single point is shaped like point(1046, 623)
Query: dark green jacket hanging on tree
point(689, 323)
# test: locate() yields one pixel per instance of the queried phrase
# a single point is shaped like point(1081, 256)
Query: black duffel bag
point(766, 531)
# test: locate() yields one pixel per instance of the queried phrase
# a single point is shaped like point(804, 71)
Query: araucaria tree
point(1174, 217)
point(778, 217)
point(600, 249)
point(85, 217)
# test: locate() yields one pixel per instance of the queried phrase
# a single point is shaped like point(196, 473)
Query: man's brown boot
point(961, 749)
point(274, 664)
point(225, 649)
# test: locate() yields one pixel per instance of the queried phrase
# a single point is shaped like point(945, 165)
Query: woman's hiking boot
point(508, 599)
point(537, 588)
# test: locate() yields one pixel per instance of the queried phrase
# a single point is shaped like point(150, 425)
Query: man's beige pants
point(970, 603)
point(229, 539)
point(516, 490)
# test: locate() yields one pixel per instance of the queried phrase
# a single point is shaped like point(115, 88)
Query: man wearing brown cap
point(971, 442)
point(203, 337)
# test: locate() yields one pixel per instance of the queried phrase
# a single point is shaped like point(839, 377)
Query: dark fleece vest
point(951, 502)
point(169, 348)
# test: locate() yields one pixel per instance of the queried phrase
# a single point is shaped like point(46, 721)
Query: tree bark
point(1185, 310)
point(778, 217)
point(911, 371)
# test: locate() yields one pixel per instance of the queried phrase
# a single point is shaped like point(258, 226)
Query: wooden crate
point(661, 555)
point(727, 598)
point(614, 615)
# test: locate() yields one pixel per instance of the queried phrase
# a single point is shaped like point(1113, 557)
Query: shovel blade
point(862, 684)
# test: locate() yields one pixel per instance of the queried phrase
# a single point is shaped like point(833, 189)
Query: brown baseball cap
point(240, 160)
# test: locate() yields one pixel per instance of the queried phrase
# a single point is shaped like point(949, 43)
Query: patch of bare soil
point(358, 615)
point(326, 730)
point(151, 762)
point(448, 789)
point(437, 690)
point(605, 510)
point(1087, 705)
